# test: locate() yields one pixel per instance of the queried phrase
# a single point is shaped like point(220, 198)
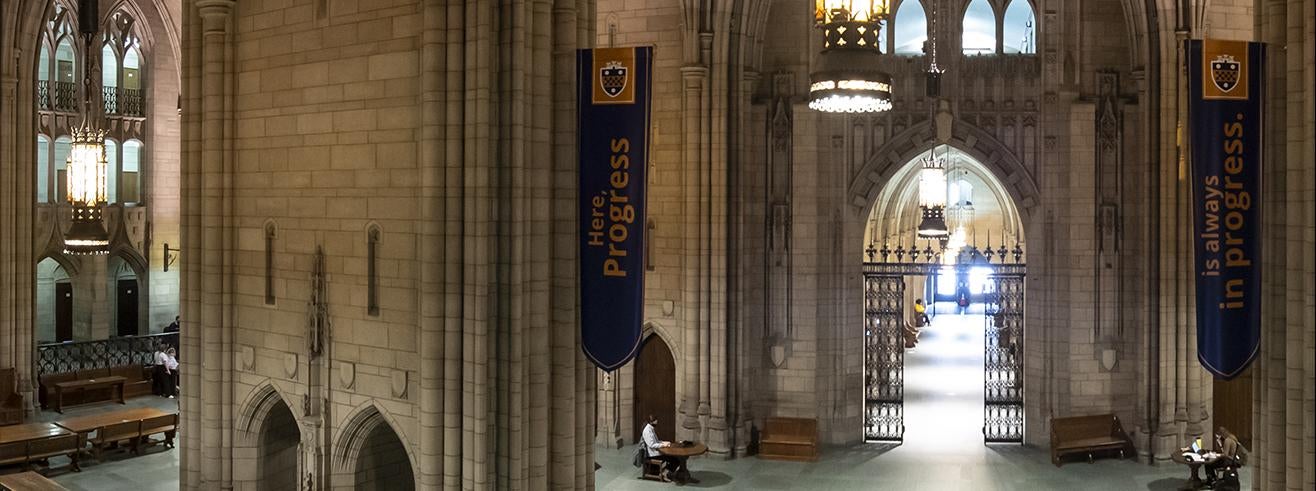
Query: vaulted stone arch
point(360, 437)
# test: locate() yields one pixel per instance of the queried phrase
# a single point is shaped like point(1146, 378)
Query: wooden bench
point(133, 427)
point(37, 442)
point(789, 439)
point(1088, 435)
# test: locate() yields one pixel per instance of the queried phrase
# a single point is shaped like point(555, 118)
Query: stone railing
point(80, 355)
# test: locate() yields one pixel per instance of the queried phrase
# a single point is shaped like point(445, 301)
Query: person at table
point(1229, 450)
point(172, 327)
point(651, 446)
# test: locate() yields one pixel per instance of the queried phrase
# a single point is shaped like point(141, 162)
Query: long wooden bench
point(137, 382)
point(28, 481)
point(131, 427)
point(1087, 435)
point(37, 442)
point(789, 439)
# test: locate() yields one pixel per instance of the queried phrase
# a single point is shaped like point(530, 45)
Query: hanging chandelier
point(86, 162)
point(846, 78)
point(932, 197)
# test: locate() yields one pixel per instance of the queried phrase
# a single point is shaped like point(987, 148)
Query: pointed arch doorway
point(655, 388)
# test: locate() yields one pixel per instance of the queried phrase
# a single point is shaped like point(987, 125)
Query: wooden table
point(30, 431)
point(684, 453)
point(89, 423)
point(114, 381)
point(29, 481)
point(1194, 482)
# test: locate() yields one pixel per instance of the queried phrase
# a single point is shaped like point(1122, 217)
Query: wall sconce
point(168, 260)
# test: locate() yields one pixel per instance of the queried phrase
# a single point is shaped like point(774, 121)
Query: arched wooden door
point(655, 388)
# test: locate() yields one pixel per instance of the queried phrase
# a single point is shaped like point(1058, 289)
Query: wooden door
point(126, 304)
point(63, 311)
point(1232, 406)
point(655, 388)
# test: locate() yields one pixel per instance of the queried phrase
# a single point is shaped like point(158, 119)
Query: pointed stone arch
point(353, 437)
point(882, 165)
point(256, 408)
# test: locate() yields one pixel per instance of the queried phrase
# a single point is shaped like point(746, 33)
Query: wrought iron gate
point(884, 347)
point(1003, 354)
point(884, 358)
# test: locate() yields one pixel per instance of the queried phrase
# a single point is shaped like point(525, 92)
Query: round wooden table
point(1194, 482)
point(684, 452)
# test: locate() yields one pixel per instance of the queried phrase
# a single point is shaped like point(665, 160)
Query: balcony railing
point(64, 97)
point(122, 102)
point(81, 355)
point(110, 97)
point(43, 95)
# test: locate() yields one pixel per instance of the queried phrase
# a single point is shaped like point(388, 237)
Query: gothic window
point(979, 33)
point(57, 62)
point(43, 168)
point(121, 66)
point(648, 245)
point(269, 264)
point(111, 170)
point(372, 271)
point(63, 145)
point(910, 28)
point(1019, 29)
point(130, 182)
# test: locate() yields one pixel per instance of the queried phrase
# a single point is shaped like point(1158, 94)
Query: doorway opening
point(278, 448)
point(943, 315)
point(655, 388)
point(54, 310)
point(127, 297)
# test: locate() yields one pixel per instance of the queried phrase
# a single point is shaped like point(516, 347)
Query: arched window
point(130, 181)
point(132, 69)
point(1019, 31)
point(910, 28)
point(979, 29)
point(126, 66)
point(111, 171)
point(109, 80)
point(62, 147)
point(43, 169)
point(43, 64)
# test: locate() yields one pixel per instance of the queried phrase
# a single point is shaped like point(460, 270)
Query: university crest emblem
point(1224, 72)
point(612, 77)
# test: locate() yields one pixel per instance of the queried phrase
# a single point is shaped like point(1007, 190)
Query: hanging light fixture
point(86, 163)
point(932, 197)
point(846, 78)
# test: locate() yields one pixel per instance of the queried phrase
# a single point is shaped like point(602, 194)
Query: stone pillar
point(694, 77)
point(208, 236)
point(17, 194)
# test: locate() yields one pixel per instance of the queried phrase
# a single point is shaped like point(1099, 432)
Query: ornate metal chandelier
point(846, 78)
point(86, 163)
point(932, 197)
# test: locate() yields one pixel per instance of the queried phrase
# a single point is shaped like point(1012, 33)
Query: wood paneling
point(655, 388)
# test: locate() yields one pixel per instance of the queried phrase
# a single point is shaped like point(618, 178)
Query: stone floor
point(943, 447)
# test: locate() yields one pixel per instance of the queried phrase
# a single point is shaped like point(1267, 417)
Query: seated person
point(1228, 450)
point(651, 445)
point(920, 313)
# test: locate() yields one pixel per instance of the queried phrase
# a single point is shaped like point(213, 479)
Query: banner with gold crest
point(1225, 90)
point(613, 112)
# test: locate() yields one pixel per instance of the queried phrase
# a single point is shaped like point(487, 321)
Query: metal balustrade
point(65, 97)
point(80, 355)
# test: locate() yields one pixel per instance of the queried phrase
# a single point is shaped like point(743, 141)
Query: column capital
point(214, 13)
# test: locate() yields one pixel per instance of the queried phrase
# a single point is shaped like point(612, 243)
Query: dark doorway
point(126, 301)
point(1232, 406)
point(277, 449)
point(63, 311)
point(655, 388)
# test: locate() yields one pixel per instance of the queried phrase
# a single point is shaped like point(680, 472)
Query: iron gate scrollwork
point(102, 353)
point(884, 358)
point(1003, 377)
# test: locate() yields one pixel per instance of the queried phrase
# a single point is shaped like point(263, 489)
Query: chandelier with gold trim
point(846, 78)
point(932, 197)
point(86, 162)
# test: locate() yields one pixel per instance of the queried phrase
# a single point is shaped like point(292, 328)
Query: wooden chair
point(166, 424)
point(1088, 435)
point(11, 403)
point(652, 469)
point(46, 448)
point(790, 439)
point(115, 433)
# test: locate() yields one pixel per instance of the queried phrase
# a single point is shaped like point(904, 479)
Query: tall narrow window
point(910, 28)
point(111, 171)
point(372, 271)
point(43, 169)
point(110, 79)
point(63, 145)
point(979, 29)
point(131, 175)
point(648, 245)
point(269, 264)
point(1019, 31)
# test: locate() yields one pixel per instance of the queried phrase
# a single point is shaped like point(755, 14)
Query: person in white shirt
point(675, 468)
point(162, 379)
point(171, 364)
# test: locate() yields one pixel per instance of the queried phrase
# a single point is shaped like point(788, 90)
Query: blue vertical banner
point(1226, 86)
point(613, 111)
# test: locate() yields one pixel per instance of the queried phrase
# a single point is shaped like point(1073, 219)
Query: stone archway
point(369, 454)
point(268, 430)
